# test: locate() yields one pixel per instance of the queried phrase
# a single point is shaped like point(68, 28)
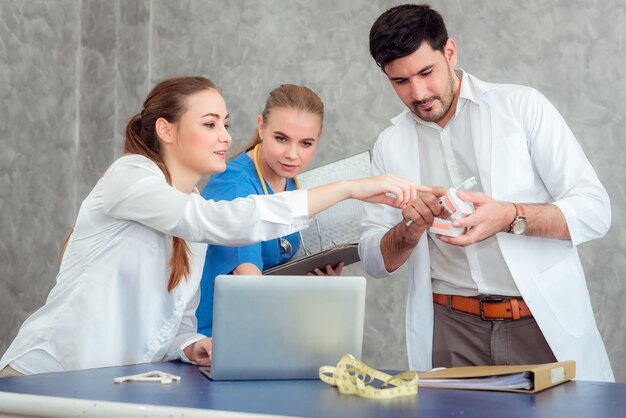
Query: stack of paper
point(340, 223)
point(529, 378)
point(523, 380)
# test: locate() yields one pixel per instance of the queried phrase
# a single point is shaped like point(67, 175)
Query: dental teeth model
point(457, 209)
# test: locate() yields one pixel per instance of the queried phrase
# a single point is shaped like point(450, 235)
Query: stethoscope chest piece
point(285, 246)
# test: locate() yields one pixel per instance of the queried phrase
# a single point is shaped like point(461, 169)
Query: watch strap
point(520, 214)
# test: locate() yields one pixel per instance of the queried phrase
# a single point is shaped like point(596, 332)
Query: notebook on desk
point(284, 327)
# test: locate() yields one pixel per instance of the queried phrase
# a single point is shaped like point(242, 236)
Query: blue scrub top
point(239, 180)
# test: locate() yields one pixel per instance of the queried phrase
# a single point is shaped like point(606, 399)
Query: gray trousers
point(462, 339)
point(9, 371)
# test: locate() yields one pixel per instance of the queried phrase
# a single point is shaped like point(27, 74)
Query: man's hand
point(398, 243)
point(422, 211)
point(489, 218)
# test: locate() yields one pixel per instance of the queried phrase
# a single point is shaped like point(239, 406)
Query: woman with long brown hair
point(127, 289)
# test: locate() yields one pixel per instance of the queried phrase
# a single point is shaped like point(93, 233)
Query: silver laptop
point(284, 327)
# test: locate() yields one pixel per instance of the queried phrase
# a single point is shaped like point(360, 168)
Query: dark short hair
point(401, 30)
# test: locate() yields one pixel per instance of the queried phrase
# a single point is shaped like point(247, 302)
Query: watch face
point(519, 226)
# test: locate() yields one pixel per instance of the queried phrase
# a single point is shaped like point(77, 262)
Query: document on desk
point(520, 378)
point(333, 235)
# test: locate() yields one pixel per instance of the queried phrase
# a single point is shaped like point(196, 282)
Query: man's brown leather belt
point(488, 308)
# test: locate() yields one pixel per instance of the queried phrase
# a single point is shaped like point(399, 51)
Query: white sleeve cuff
point(192, 339)
point(372, 256)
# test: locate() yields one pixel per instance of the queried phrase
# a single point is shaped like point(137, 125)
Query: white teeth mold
point(457, 209)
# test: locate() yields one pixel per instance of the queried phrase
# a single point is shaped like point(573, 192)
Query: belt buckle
point(482, 311)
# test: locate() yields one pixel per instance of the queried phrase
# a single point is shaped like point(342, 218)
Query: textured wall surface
point(72, 72)
point(38, 153)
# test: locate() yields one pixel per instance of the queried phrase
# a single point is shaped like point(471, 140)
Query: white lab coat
point(110, 304)
point(525, 153)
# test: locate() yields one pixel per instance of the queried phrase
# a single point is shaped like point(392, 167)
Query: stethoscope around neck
point(285, 245)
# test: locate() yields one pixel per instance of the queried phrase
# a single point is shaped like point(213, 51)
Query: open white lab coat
point(525, 153)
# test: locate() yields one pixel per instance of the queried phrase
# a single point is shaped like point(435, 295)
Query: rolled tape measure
point(353, 377)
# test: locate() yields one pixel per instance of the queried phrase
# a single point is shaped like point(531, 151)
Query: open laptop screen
point(284, 327)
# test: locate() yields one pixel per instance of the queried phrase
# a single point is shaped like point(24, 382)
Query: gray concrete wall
point(72, 72)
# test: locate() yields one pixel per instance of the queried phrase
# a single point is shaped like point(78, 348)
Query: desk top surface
point(315, 398)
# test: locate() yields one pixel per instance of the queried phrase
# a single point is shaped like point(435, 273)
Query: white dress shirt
point(447, 158)
point(110, 305)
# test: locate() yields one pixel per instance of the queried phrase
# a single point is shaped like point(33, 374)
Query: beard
point(446, 99)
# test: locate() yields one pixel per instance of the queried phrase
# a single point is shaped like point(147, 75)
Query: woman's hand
point(387, 189)
point(330, 271)
point(200, 351)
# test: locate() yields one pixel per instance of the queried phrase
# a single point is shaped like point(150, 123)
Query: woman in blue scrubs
point(283, 145)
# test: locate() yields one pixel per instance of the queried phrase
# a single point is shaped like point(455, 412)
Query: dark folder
point(348, 253)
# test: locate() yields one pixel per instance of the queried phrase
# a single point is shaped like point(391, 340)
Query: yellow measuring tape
point(353, 377)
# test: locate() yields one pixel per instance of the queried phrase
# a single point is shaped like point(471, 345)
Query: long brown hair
point(288, 96)
point(166, 100)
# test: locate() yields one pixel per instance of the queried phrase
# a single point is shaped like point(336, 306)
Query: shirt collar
point(468, 90)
